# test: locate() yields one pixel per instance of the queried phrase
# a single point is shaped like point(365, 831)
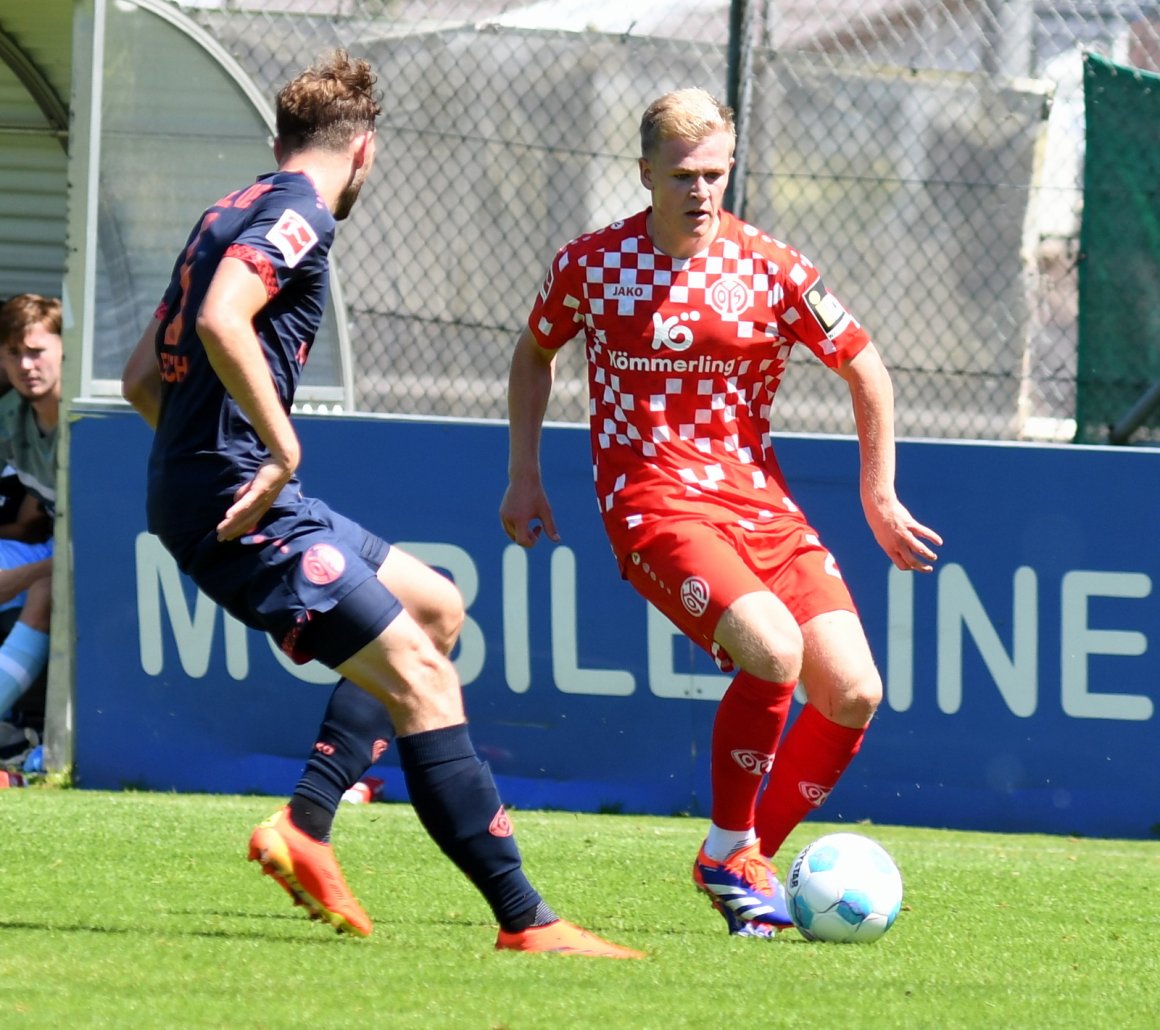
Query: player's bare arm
point(525, 511)
point(141, 379)
point(225, 326)
point(899, 534)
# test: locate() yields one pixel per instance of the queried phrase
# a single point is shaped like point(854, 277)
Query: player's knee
point(448, 622)
point(860, 701)
point(442, 614)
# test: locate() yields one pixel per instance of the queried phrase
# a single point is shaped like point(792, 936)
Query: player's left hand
point(902, 536)
point(252, 500)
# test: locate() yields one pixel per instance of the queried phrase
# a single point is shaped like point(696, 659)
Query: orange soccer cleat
point(307, 870)
point(564, 938)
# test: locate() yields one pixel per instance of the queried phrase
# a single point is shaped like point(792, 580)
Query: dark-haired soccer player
point(215, 374)
point(688, 316)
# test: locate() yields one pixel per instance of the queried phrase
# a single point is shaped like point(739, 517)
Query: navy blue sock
point(355, 732)
point(457, 802)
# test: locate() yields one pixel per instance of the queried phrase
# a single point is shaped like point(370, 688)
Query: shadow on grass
point(157, 931)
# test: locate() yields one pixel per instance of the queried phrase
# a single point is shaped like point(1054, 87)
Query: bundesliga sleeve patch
point(293, 236)
point(827, 309)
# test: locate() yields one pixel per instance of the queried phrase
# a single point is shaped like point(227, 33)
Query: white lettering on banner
point(517, 648)
point(566, 671)
point(1078, 640)
point(899, 687)
point(162, 600)
point(663, 679)
point(1015, 675)
point(158, 578)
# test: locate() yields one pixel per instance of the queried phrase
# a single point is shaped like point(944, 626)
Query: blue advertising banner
point(1020, 694)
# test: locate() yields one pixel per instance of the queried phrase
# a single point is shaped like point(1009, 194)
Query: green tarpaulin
point(1119, 270)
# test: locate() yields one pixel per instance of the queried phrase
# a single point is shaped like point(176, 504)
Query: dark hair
point(327, 105)
point(26, 310)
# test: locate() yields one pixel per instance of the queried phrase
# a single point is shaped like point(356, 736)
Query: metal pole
point(78, 299)
point(1135, 416)
point(739, 95)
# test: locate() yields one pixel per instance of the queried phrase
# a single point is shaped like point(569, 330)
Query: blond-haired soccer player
point(215, 374)
point(688, 316)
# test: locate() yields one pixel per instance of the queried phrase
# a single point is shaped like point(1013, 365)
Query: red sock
point(809, 763)
point(746, 730)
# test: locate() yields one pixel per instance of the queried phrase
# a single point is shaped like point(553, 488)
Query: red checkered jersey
point(684, 359)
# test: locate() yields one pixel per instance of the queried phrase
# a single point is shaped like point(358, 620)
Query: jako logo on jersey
point(814, 793)
point(322, 564)
point(756, 762)
point(671, 333)
point(501, 825)
point(695, 595)
point(293, 236)
point(729, 296)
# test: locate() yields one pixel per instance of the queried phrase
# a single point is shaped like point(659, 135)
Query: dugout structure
point(119, 123)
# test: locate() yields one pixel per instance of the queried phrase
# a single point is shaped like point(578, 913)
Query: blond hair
point(328, 104)
point(685, 114)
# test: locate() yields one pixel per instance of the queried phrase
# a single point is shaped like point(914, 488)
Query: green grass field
point(139, 910)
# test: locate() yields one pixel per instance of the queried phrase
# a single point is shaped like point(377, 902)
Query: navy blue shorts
point(307, 577)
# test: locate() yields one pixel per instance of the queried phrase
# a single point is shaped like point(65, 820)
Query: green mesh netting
point(1119, 272)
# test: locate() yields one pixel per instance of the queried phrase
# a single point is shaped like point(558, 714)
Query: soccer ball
point(844, 887)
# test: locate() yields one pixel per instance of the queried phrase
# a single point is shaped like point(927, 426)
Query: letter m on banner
point(161, 589)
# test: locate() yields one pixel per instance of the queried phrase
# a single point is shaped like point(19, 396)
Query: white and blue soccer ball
point(844, 887)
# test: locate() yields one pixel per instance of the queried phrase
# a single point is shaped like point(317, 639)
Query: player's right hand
point(525, 514)
point(252, 500)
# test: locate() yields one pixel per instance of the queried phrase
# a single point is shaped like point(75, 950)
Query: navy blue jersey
point(205, 447)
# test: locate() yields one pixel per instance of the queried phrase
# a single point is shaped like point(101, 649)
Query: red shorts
point(692, 571)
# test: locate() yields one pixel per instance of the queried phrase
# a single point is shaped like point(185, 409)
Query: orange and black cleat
point(307, 870)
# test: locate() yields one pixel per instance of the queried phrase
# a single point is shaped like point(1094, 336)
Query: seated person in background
point(25, 600)
point(30, 363)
